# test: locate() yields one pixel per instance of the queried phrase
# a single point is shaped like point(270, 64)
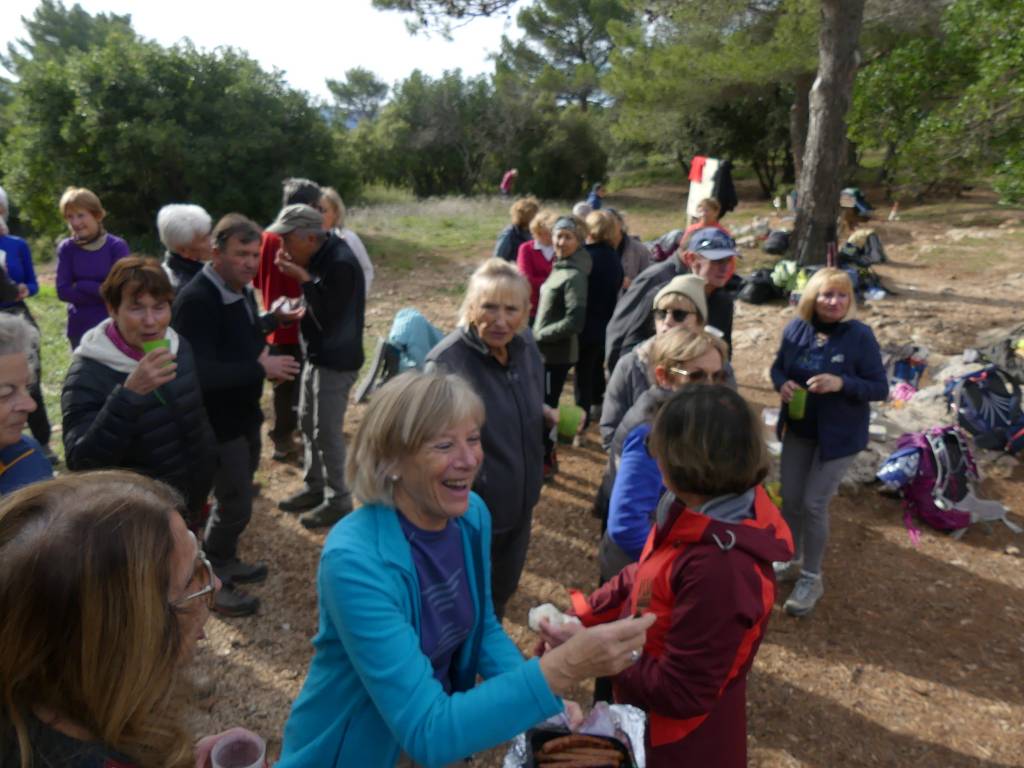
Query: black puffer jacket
point(107, 426)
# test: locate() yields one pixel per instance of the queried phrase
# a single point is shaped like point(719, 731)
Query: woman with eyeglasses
point(828, 370)
point(104, 593)
point(682, 302)
point(679, 358)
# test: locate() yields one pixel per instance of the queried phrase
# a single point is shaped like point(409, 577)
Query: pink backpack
point(942, 491)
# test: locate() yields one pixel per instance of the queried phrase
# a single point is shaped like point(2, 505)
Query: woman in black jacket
point(131, 399)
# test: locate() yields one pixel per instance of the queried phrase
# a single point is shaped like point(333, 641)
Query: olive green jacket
point(562, 309)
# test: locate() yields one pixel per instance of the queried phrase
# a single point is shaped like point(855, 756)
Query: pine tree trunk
point(798, 118)
point(819, 179)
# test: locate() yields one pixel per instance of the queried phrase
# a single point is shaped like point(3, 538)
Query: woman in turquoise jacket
point(406, 620)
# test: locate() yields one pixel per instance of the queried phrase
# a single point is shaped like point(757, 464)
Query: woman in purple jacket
point(84, 259)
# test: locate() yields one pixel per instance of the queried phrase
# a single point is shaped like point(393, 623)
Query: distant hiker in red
point(706, 572)
point(507, 181)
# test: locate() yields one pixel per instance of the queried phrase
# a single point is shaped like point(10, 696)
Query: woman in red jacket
point(706, 572)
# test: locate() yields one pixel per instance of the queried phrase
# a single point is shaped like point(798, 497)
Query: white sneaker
point(805, 595)
point(786, 571)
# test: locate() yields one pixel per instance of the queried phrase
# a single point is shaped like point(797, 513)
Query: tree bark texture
point(819, 180)
point(798, 118)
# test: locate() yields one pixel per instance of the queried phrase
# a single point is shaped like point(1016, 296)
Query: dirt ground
point(913, 657)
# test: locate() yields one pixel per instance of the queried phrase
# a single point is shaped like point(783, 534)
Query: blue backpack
point(988, 406)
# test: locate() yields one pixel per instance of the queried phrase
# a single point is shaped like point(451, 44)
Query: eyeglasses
point(678, 315)
point(203, 570)
point(698, 375)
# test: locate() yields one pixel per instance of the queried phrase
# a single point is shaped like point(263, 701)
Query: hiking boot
point(287, 449)
point(786, 571)
point(234, 602)
point(805, 595)
point(234, 571)
point(326, 514)
point(301, 501)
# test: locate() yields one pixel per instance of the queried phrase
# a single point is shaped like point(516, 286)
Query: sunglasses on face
point(699, 376)
point(678, 315)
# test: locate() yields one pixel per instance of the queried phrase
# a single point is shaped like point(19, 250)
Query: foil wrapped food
point(618, 721)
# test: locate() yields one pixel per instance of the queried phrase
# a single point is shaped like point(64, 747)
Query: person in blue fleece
point(406, 620)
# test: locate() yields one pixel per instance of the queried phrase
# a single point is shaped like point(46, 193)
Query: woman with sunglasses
point(104, 593)
point(682, 302)
point(679, 358)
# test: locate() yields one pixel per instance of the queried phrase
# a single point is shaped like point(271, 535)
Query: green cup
point(569, 419)
point(149, 346)
point(798, 404)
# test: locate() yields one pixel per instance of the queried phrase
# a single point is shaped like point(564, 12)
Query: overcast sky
point(308, 41)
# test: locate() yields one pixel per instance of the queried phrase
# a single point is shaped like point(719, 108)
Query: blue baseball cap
point(713, 244)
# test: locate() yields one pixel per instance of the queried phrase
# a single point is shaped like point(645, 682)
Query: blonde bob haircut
point(495, 280)
point(88, 631)
point(82, 199)
point(403, 415)
point(708, 441)
point(330, 196)
point(677, 345)
point(601, 226)
point(823, 280)
point(523, 210)
point(543, 221)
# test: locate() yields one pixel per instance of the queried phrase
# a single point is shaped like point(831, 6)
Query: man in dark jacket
point(334, 294)
point(217, 313)
point(710, 254)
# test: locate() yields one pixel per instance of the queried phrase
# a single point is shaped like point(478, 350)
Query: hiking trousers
point(808, 485)
point(322, 407)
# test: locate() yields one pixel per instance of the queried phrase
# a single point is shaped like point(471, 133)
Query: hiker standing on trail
point(515, 234)
point(827, 370)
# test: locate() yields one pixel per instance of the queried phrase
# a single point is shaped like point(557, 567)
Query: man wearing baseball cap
point(334, 295)
point(711, 254)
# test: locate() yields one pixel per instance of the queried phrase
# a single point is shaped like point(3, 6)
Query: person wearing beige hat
point(681, 302)
point(334, 296)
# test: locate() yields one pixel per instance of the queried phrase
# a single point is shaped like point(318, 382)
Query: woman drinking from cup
point(131, 398)
point(705, 572)
point(406, 623)
point(489, 350)
point(827, 370)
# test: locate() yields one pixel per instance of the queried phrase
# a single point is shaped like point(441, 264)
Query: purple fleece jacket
point(79, 275)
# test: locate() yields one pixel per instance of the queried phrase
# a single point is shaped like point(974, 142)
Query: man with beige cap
point(334, 297)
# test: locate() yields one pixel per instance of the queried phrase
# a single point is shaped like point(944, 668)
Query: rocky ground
point(914, 656)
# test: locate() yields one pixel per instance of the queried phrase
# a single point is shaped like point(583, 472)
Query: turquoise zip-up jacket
point(371, 692)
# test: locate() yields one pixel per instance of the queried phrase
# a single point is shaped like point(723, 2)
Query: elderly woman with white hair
point(21, 283)
point(185, 232)
point(492, 350)
point(410, 665)
point(21, 458)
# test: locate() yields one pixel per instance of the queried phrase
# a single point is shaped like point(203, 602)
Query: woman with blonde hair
point(333, 209)
point(406, 623)
point(104, 593)
point(679, 357)
point(84, 260)
point(536, 257)
point(490, 351)
point(603, 284)
point(828, 370)
point(516, 233)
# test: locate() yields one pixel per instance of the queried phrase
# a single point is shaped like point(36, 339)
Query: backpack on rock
point(935, 474)
point(988, 405)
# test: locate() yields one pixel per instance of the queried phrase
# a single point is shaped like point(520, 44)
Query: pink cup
point(239, 749)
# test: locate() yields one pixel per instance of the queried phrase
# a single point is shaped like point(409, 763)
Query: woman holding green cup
point(827, 371)
point(131, 399)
